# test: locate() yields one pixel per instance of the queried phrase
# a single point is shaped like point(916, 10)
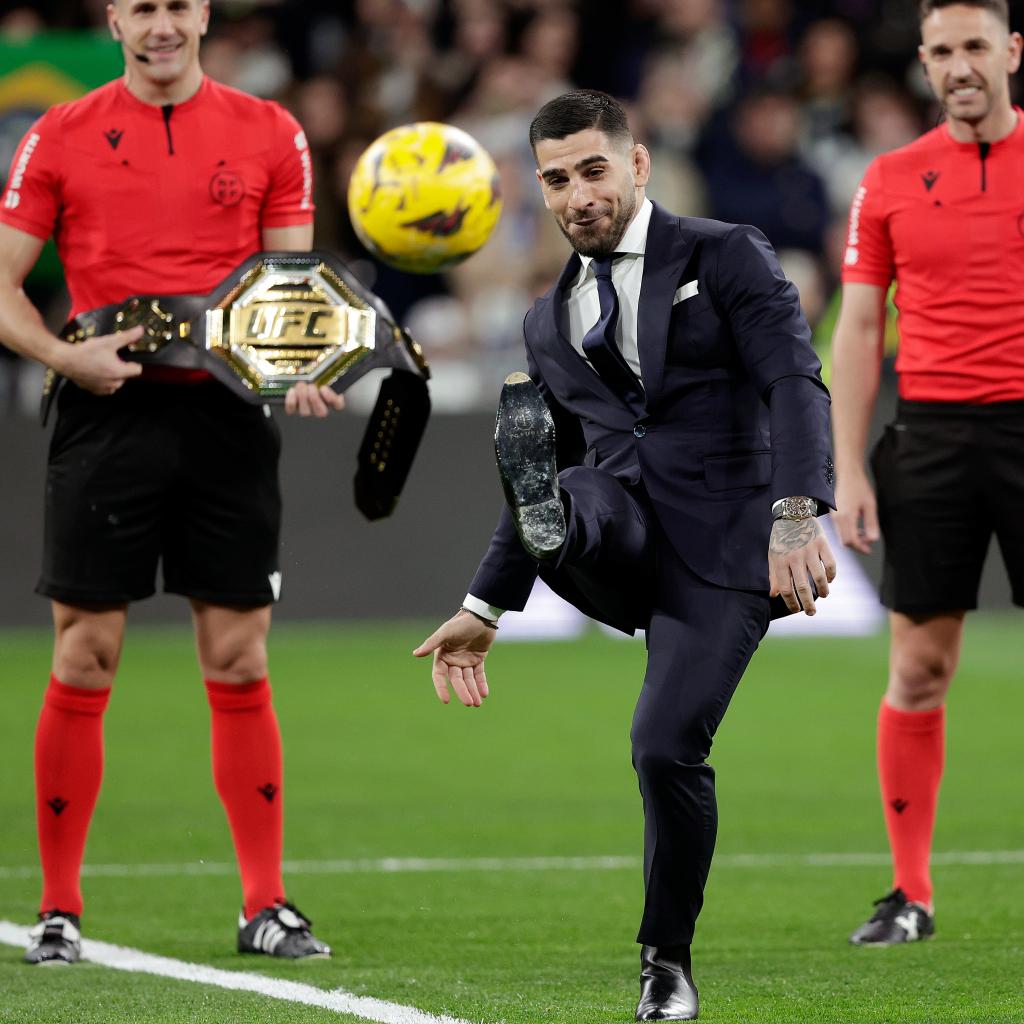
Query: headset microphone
point(140, 57)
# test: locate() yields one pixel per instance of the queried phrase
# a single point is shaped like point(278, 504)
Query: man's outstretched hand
point(459, 647)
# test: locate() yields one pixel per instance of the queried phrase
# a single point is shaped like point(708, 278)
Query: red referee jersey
point(945, 220)
point(157, 200)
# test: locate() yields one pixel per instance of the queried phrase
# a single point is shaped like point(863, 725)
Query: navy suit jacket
point(734, 417)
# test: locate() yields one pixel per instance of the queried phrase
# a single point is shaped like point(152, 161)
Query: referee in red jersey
point(943, 217)
point(161, 182)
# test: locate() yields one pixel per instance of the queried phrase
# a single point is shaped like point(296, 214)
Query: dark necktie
point(599, 342)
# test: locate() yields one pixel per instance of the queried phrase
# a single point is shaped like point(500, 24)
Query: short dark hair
point(578, 111)
point(1000, 8)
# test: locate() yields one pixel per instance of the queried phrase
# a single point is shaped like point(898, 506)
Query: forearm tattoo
point(789, 535)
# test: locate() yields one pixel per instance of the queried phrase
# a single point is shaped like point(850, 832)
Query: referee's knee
point(234, 662)
point(919, 678)
point(86, 660)
point(231, 642)
point(87, 645)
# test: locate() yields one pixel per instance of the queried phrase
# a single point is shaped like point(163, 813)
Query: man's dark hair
point(1000, 8)
point(578, 111)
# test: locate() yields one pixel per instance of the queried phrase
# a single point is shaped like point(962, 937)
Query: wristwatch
point(795, 508)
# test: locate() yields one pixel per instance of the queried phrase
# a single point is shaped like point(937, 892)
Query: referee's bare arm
point(93, 364)
point(857, 349)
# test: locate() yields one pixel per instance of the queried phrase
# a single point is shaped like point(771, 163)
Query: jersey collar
point(130, 98)
point(1016, 135)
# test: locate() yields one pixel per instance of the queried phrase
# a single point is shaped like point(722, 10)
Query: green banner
point(45, 69)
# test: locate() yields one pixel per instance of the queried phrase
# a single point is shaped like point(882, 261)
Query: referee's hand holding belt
point(94, 364)
point(309, 400)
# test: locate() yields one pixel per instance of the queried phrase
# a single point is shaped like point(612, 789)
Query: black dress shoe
point(667, 991)
point(524, 445)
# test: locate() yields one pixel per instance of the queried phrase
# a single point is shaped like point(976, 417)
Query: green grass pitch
point(375, 767)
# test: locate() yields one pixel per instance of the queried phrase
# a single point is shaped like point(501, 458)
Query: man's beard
point(947, 104)
point(597, 244)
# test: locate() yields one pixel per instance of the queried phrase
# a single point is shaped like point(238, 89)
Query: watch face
point(798, 508)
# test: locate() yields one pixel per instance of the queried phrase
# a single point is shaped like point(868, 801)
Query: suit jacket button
point(640, 430)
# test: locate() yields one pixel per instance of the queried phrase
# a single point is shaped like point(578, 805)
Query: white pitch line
point(122, 958)
point(403, 865)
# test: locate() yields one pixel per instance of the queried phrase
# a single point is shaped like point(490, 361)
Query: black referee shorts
point(948, 477)
point(184, 473)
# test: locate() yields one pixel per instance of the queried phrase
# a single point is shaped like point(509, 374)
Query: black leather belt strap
point(174, 323)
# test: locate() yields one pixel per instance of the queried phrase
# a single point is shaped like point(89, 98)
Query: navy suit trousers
point(617, 565)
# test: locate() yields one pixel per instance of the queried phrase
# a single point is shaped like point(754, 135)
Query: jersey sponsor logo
point(929, 178)
point(853, 238)
point(307, 169)
point(113, 137)
point(227, 188)
point(13, 197)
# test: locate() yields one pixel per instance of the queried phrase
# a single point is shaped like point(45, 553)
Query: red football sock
point(69, 769)
point(247, 772)
point(911, 753)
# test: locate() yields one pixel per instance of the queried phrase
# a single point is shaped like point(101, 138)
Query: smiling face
point(593, 185)
point(166, 32)
point(968, 56)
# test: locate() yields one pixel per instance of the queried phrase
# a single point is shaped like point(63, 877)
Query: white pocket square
point(686, 291)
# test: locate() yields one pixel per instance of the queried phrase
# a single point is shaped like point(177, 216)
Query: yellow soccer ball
point(424, 196)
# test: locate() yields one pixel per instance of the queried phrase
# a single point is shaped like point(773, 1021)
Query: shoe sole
point(51, 961)
point(888, 945)
point(292, 959)
point(524, 447)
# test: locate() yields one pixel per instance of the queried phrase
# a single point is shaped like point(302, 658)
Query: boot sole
point(524, 447)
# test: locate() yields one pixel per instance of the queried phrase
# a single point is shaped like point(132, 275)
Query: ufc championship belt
point(282, 318)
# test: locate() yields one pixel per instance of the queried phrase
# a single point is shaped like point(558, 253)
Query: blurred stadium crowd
point(758, 111)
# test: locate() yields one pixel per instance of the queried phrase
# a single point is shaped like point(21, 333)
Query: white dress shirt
point(582, 308)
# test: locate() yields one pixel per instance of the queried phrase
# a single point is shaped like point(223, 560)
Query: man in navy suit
point(672, 382)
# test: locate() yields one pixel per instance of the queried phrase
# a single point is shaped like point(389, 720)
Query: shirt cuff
point(482, 608)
